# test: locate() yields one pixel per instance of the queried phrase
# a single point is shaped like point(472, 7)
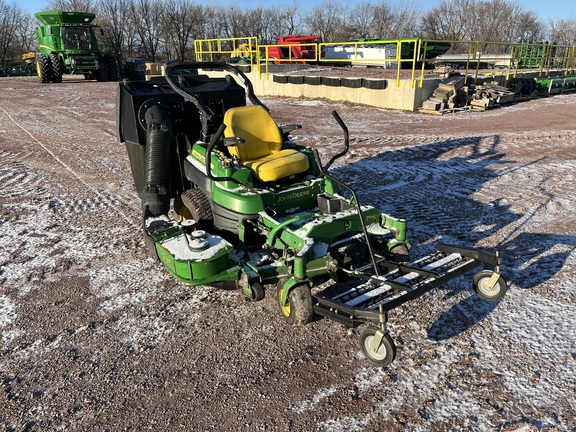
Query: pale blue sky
point(544, 9)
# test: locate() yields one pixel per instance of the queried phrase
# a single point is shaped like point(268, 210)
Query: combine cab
point(69, 44)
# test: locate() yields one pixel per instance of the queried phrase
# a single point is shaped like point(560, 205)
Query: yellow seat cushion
point(279, 165)
point(261, 150)
point(258, 129)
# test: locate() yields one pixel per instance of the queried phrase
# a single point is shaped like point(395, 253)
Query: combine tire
point(198, 204)
point(102, 73)
point(386, 352)
point(298, 309)
point(113, 72)
point(482, 288)
point(43, 68)
point(57, 68)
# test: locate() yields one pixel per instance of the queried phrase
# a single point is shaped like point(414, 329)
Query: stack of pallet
point(455, 95)
point(489, 95)
point(447, 97)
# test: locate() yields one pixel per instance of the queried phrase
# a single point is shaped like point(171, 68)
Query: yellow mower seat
point(262, 150)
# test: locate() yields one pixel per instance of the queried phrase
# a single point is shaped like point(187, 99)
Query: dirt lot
point(95, 335)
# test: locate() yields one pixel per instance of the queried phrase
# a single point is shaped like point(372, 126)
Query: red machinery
point(294, 47)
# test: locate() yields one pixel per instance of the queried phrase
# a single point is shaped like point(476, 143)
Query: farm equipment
point(23, 67)
point(69, 44)
point(229, 200)
point(292, 48)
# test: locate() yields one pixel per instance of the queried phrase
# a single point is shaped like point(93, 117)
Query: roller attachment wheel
point(298, 308)
point(384, 354)
point(489, 285)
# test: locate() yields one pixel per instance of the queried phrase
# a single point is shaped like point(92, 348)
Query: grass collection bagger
point(229, 200)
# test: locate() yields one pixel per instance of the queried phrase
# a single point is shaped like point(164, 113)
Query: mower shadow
point(433, 187)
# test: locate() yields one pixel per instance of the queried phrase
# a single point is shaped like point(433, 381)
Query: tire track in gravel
point(16, 178)
point(97, 195)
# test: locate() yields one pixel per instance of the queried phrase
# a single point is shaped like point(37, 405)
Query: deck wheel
point(256, 291)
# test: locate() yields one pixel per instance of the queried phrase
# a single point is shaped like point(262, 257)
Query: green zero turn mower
point(228, 200)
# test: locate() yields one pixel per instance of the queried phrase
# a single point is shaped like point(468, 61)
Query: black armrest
point(230, 141)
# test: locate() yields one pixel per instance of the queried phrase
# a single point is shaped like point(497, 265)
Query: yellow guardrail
point(285, 53)
point(406, 54)
point(225, 49)
point(387, 53)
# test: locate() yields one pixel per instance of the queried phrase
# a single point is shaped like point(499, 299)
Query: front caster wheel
point(298, 308)
point(384, 354)
point(489, 285)
point(256, 291)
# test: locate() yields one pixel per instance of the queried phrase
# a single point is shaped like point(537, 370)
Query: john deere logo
point(347, 224)
point(293, 195)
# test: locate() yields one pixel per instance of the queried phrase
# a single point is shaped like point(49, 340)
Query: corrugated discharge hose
point(157, 161)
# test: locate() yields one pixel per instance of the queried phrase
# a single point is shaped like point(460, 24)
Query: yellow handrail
point(404, 53)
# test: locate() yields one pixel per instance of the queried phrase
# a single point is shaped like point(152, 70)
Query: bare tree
point(286, 20)
point(362, 20)
point(327, 20)
point(562, 31)
point(25, 35)
point(503, 21)
point(449, 20)
point(72, 5)
point(384, 20)
point(145, 17)
point(214, 20)
point(405, 20)
point(11, 19)
point(113, 17)
point(180, 24)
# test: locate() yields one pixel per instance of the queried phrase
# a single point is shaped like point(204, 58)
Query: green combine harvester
point(229, 200)
point(70, 44)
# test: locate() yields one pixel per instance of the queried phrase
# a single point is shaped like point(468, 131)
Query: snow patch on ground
point(143, 333)
point(319, 396)
point(7, 311)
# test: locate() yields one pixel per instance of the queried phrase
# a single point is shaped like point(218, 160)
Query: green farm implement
point(70, 44)
point(229, 200)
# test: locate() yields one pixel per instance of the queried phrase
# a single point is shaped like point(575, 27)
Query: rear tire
point(57, 68)
point(43, 68)
point(198, 204)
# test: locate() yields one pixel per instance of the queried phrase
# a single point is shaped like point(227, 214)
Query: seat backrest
point(257, 128)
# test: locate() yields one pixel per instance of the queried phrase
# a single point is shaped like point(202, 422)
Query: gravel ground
point(95, 335)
